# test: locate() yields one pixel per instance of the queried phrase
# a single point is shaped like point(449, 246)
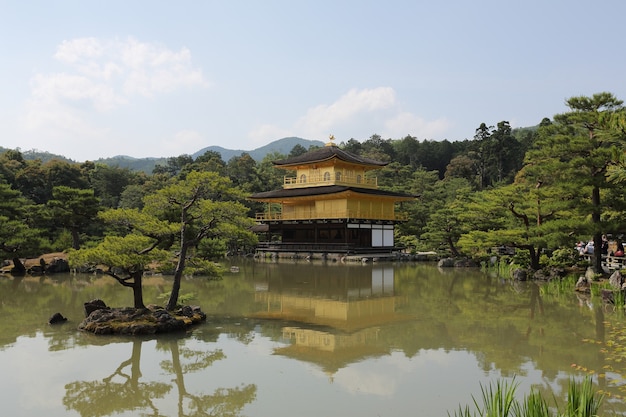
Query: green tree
point(520, 215)
point(407, 151)
point(32, 182)
point(242, 172)
point(352, 146)
point(463, 166)
point(11, 162)
point(136, 240)
point(108, 183)
point(444, 224)
point(203, 205)
point(271, 177)
point(209, 161)
point(132, 197)
point(18, 235)
point(62, 173)
point(378, 149)
point(435, 155)
point(174, 166)
point(577, 149)
point(297, 150)
point(497, 154)
point(74, 209)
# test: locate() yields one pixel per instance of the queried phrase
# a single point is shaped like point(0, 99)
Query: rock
point(58, 265)
point(186, 311)
point(446, 263)
point(590, 274)
point(57, 318)
point(519, 274)
point(616, 280)
point(583, 285)
point(132, 321)
point(464, 263)
point(607, 296)
point(93, 305)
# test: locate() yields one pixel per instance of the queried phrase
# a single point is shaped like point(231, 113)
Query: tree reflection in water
point(124, 391)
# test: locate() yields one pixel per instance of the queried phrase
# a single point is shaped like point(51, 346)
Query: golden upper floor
point(330, 176)
point(329, 165)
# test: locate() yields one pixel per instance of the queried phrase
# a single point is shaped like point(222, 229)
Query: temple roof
point(325, 190)
point(326, 153)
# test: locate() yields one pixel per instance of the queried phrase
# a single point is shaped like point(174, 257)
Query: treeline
point(536, 189)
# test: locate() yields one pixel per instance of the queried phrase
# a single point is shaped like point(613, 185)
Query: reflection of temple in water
point(334, 318)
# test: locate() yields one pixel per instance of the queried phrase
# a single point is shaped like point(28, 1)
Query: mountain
point(134, 164)
point(37, 154)
point(283, 146)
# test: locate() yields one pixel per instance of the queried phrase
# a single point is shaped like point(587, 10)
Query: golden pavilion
point(329, 205)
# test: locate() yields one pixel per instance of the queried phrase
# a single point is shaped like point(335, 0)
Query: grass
point(499, 400)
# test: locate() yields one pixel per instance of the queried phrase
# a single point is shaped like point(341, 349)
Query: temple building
point(330, 205)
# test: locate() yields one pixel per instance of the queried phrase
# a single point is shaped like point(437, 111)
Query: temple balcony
point(357, 181)
point(341, 214)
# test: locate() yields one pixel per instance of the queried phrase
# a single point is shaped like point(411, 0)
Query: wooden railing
point(340, 214)
point(295, 182)
point(319, 247)
point(609, 263)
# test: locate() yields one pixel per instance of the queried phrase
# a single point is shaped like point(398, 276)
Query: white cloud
point(358, 113)
point(142, 68)
point(321, 120)
point(406, 123)
point(100, 76)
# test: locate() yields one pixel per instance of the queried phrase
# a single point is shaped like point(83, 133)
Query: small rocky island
point(102, 320)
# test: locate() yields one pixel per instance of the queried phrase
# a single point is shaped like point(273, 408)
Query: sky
point(96, 79)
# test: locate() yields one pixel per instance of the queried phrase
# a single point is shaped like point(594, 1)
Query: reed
point(582, 401)
point(499, 400)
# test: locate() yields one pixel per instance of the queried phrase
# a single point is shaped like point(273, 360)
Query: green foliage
point(521, 258)
point(74, 209)
point(563, 257)
point(582, 400)
point(199, 266)
point(560, 192)
point(19, 235)
point(184, 298)
point(203, 205)
point(500, 400)
point(444, 207)
point(129, 253)
point(573, 154)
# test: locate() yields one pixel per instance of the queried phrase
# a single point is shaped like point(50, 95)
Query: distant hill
point(134, 164)
point(283, 146)
point(36, 154)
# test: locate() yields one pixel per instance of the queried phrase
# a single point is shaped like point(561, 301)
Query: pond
point(302, 339)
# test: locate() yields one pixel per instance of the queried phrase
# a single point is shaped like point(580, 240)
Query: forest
point(538, 190)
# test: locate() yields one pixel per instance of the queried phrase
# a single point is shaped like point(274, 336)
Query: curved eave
point(327, 154)
point(331, 191)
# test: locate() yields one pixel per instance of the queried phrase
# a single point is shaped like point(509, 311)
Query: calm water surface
point(298, 339)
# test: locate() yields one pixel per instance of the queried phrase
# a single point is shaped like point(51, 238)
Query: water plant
point(499, 400)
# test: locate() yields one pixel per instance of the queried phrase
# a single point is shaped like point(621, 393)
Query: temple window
point(326, 176)
point(303, 178)
point(358, 179)
point(338, 175)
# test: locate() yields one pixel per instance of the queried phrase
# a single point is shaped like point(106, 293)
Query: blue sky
point(91, 79)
